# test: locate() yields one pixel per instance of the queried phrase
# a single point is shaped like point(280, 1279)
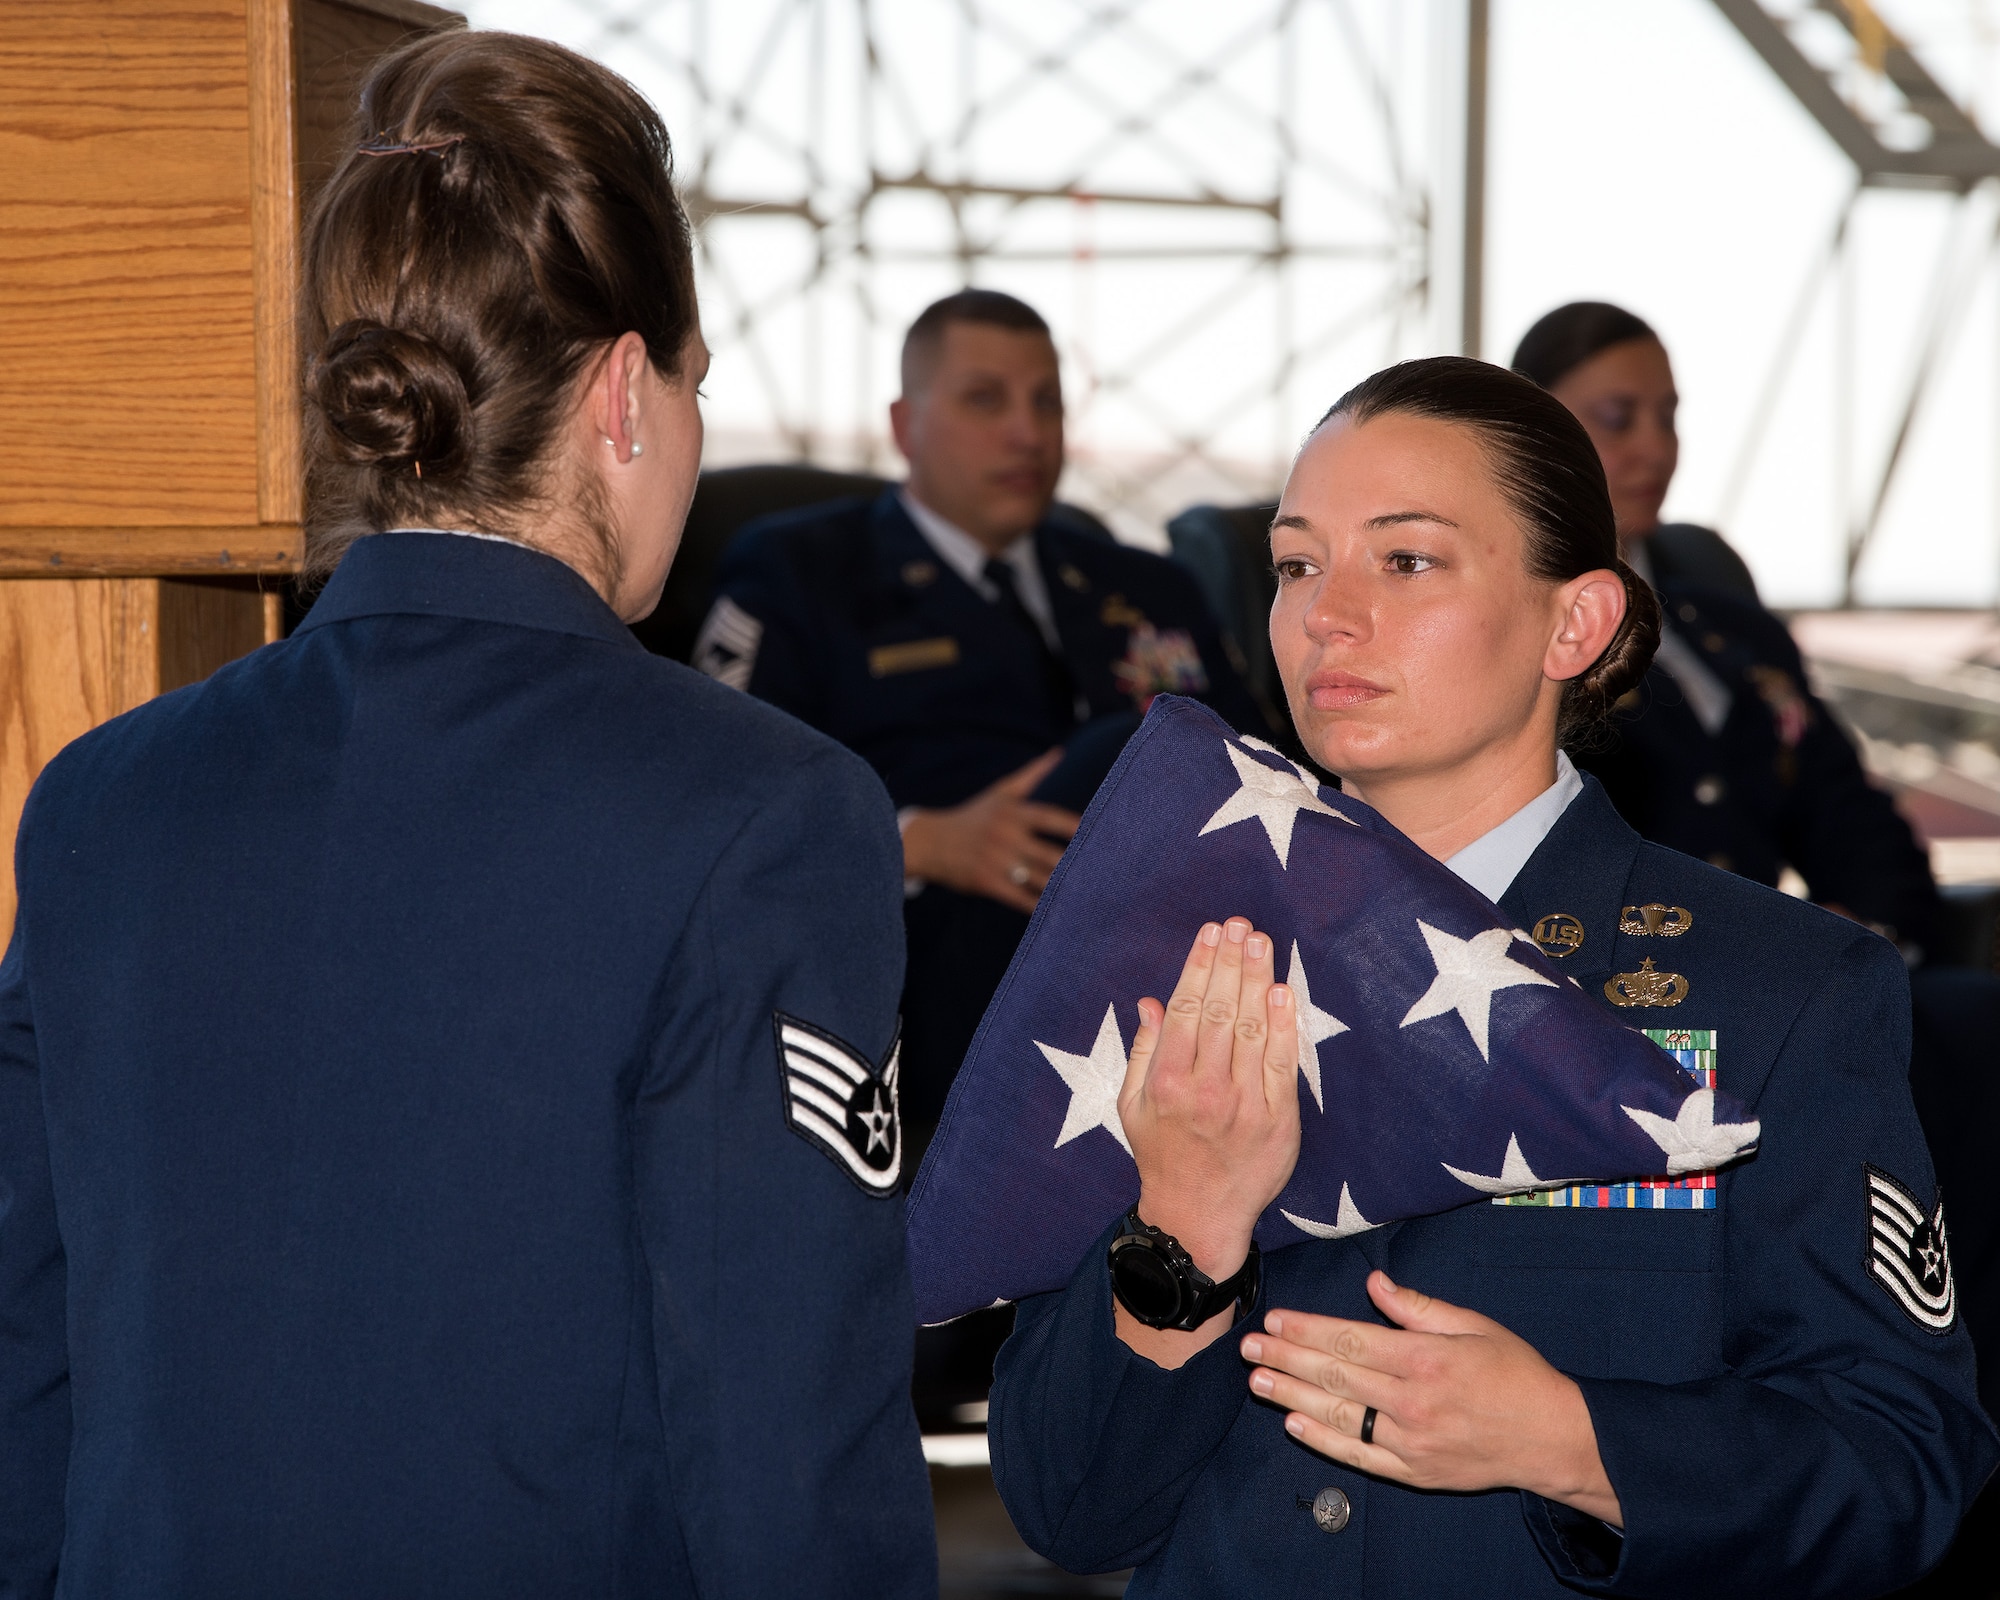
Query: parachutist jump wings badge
point(836, 1099)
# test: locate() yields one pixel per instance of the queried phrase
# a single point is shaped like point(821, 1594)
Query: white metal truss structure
point(1225, 212)
point(1864, 72)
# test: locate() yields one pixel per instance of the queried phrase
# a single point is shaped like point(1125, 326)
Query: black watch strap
point(1156, 1280)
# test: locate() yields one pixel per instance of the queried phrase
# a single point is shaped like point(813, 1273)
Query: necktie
point(1058, 686)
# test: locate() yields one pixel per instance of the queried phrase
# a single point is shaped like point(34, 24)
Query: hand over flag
point(1442, 1057)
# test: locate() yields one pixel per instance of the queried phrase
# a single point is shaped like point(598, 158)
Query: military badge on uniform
point(1791, 711)
point(835, 1099)
point(1646, 987)
point(1655, 921)
point(1159, 662)
point(1557, 935)
point(1908, 1254)
point(726, 648)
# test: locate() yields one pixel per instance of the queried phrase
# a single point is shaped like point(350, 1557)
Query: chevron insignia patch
point(837, 1099)
point(1908, 1254)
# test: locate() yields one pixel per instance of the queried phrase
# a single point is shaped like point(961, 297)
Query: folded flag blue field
point(1443, 1058)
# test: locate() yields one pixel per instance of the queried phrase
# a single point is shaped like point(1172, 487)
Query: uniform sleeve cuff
point(1581, 1548)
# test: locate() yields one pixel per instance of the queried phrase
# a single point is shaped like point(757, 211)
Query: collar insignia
point(1557, 935)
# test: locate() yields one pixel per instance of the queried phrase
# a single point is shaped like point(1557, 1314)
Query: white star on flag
point(1693, 1140)
point(1315, 1026)
point(1516, 1176)
point(1469, 972)
point(1274, 798)
point(1347, 1220)
point(1094, 1081)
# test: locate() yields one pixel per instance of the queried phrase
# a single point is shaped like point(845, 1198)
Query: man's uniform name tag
point(886, 661)
point(1695, 1050)
point(840, 1102)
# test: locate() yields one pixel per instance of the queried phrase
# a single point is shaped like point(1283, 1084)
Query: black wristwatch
point(1157, 1281)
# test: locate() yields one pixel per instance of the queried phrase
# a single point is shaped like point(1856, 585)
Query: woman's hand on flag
point(1211, 1107)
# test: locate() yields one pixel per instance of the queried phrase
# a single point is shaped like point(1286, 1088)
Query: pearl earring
point(637, 448)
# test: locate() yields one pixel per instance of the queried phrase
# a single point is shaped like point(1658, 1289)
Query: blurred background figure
point(1727, 754)
point(987, 658)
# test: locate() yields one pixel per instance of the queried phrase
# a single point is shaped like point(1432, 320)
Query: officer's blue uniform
point(856, 627)
point(401, 1192)
point(1772, 1417)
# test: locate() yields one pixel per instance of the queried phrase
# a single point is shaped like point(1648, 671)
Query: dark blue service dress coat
point(1780, 1383)
point(843, 615)
point(405, 1189)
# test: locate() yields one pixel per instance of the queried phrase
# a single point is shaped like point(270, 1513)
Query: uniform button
point(1331, 1510)
point(1708, 790)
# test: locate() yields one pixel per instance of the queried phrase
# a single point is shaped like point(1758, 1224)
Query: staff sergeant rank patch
point(837, 1100)
point(1907, 1253)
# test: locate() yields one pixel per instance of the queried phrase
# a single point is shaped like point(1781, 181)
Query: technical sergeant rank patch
point(1908, 1254)
point(836, 1099)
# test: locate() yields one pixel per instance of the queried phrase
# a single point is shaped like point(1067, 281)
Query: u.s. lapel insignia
point(1072, 577)
point(838, 1101)
point(1655, 921)
point(1908, 1253)
point(1557, 935)
point(920, 574)
point(1646, 987)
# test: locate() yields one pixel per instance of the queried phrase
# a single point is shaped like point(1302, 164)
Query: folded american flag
point(1443, 1058)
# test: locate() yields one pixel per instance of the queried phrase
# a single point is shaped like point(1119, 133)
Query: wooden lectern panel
point(127, 352)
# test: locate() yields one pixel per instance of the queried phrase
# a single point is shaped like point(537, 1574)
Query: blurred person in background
point(988, 659)
point(1725, 753)
point(429, 1159)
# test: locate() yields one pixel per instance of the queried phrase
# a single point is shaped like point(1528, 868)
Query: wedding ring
point(1017, 874)
point(1368, 1426)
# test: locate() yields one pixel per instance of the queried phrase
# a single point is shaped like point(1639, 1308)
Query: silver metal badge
point(1908, 1253)
point(838, 1100)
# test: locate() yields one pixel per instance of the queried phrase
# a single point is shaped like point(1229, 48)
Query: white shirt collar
point(1494, 860)
point(967, 557)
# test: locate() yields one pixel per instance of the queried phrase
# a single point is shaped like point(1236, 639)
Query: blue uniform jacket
point(399, 1193)
point(1779, 784)
point(855, 627)
point(1773, 1419)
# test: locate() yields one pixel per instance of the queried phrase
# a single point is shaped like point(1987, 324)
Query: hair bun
point(392, 398)
point(1620, 669)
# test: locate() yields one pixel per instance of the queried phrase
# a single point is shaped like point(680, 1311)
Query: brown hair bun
point(504, 212)
point(391, 398)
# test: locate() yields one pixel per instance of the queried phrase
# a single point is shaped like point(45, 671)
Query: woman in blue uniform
point(1752, 1382)
point(448, 1134)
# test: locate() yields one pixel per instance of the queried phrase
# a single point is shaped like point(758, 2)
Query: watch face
point(1145, 1284)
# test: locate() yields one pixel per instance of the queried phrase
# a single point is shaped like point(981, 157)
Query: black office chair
point(728, 499)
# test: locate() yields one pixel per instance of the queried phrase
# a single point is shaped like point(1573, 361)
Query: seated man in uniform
point(986, 658)
point(1726, 754)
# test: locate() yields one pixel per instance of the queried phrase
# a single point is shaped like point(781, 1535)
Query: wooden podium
point(153, 158)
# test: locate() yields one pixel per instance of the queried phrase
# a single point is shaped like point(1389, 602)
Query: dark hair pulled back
point(1548, 469)
point(505, 211)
